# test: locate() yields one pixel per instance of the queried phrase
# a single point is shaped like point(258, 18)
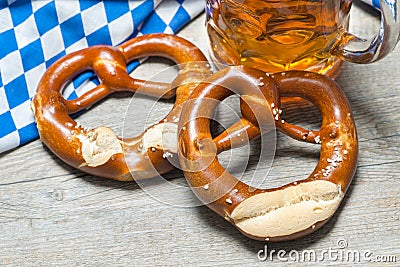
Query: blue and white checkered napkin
point(35, 33)
point(374, 3)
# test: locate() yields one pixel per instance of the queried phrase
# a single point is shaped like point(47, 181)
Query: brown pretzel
point(99, 151)
point(292, 210)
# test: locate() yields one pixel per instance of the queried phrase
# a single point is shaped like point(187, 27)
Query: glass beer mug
point(279, 35)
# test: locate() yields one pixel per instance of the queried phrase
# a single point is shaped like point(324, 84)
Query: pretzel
point(295, 209)
point(99, 151)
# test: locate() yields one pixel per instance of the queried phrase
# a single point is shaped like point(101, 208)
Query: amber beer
point(274, 35)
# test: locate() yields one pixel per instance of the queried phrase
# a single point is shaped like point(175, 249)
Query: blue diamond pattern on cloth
point(101, 36)
point(8, 125)
point(154, 23)
point(15, 92)
point(115, 9)
point(178, 20)
point(72, 30)
point(27, 131)
point(34, 34)
point(20, 13)
point(374, 3)
point(8, 38)
point(142, 11)
point(49, 12)
point(32, 55)
point(87, 4)
point(54, 59)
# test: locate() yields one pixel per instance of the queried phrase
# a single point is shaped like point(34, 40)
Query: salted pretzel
point(99, 151)
point(285, 212)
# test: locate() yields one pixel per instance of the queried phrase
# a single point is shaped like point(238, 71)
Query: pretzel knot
point(285, 212)
point(99, 151)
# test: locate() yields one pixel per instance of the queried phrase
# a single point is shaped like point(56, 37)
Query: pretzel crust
point(293, 210)
point(99, 151)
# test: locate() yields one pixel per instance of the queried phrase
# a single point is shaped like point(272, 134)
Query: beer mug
point(279, 35)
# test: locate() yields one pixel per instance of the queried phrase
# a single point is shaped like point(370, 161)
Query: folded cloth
point(33, 34)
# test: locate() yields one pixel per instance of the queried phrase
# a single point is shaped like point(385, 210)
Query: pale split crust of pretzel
point(293, 210)
point(99, 151)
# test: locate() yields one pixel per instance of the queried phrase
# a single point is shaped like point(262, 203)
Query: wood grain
point(51, 214)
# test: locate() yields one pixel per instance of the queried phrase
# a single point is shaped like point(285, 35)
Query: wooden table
point(51, 213)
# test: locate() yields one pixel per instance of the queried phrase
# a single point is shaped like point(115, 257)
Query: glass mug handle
point(366, 51)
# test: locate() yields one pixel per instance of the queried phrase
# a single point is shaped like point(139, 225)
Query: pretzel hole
point(83, 91)
point(250, 162)
point(105, 112)
point(166, 70)
point(233, 160)
point(72, 92)
point(151, 110)
point(88, 81)
point(301, 113)
point(79, 84)
point(226, 114)
point(293, 156)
